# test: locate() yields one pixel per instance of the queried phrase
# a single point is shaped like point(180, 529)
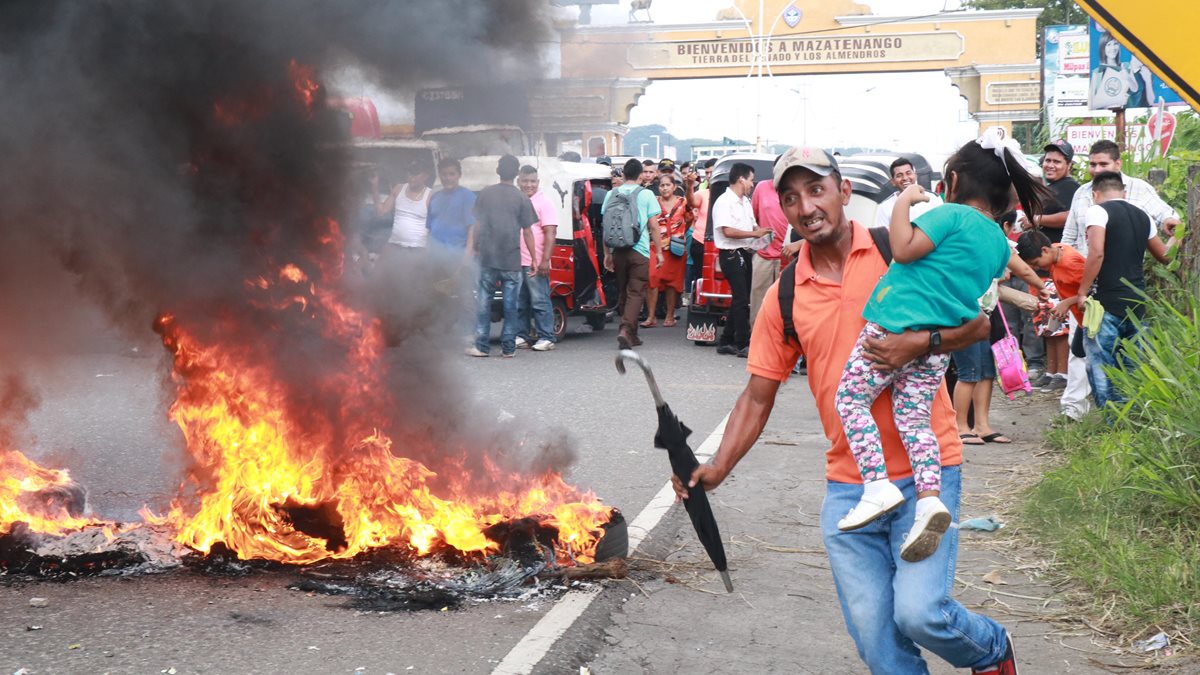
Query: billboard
point(1065, 74)
point(1160, 35)
point(1119, 79)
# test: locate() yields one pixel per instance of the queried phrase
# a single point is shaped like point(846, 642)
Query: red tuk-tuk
point(579, 285)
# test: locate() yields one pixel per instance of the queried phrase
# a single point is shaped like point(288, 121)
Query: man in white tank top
point(409, 204)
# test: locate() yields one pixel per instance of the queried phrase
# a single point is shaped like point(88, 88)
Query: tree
point(1054, 12)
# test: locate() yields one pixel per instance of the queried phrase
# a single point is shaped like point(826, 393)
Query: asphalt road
point(103, 415)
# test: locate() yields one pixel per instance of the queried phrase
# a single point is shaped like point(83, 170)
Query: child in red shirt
point(1065, 265)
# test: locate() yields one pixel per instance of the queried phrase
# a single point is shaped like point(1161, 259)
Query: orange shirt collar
point(859, 239)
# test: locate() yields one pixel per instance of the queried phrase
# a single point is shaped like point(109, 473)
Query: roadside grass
point(1122, 512)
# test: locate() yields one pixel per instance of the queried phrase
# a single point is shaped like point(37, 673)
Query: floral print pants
point(913, 388)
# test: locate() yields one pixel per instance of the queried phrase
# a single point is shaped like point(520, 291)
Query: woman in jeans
point(976, 377)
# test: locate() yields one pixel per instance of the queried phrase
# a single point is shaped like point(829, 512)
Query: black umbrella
point(672, 436)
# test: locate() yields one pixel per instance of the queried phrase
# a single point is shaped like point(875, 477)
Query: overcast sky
point(905, 111)
point(918, 112)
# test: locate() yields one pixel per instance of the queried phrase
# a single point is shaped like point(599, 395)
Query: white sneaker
point(879, 498)
point(475, 351)
point(522, 343)
point(931, 522)
point(543, 346)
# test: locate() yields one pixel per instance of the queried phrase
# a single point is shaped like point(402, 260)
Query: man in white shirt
point(1105, 156)
point(734, 234)
point(903, 175)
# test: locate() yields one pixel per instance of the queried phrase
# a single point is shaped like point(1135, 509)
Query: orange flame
point(23, 484)
point(267, 484)
point(303, 82)
point(260, 466)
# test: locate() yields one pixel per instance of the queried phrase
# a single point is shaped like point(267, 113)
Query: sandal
point(997, 437)
point(648, 323)
point(669, 323)
point(970, 439)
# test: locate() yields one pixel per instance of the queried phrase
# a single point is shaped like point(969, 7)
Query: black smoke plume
point(157, 156)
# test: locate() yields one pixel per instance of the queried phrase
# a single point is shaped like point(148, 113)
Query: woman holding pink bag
point(942, 264)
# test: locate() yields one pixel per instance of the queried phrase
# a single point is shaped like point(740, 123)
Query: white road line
point(537, 642)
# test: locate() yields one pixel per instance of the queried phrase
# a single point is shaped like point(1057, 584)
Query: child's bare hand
point(915, 194)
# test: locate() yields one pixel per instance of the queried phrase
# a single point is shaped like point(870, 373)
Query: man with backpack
point(627, 241)
point(892, 608)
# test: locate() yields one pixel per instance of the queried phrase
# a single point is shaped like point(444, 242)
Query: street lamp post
point(657, 146)
point(642, 150)
point(761, 60)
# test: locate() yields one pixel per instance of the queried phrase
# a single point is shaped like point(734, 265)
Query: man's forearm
point(1054, 221)
point(1024, 271)
point(1091, 269)
point(734, 233)
point(961, 337)
point(527, 235)
point(746, 422)
point(548, 238)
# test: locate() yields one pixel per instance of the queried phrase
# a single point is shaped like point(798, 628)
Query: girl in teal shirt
point(943, 263)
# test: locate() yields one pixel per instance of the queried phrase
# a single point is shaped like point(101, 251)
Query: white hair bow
point(994, 139)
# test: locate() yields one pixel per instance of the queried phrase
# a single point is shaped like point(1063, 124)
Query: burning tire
point(615, 542)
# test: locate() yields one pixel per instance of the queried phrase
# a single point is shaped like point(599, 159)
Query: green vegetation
point(1123, 511)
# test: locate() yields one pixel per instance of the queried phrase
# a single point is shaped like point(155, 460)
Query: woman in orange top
point(673, 222)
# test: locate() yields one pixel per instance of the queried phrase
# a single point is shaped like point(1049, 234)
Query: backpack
point(621, 227)
point(787, 281)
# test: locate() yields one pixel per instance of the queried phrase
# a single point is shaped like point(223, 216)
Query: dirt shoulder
point(783, 615)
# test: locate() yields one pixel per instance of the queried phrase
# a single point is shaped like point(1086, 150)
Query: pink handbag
point(1010, 363)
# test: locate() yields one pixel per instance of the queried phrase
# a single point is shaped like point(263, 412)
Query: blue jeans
point(975, 362)
point(510, 288)
point(893, 608)
point(1106, 351)
point(535, 301)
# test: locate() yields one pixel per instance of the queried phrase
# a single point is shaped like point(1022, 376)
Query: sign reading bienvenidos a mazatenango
point(839, 49)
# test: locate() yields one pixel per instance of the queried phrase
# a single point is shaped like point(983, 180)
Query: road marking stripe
point(532, 648)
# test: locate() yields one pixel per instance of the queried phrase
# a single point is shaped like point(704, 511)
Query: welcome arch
point(991, 56)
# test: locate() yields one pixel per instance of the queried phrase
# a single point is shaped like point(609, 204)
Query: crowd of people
point(1061, 251)
point(885, 314)
point(508, 230)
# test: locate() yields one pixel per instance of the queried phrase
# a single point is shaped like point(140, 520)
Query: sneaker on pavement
point(930, 524)
point(1035, 375)
point(509, 355)
point(743, 353)
point(879, 498)
point(1007, 665)
point(475, 351)
point(1055, 384)
point(522, 343)
point(623, 341)
point(727, 349)
point(1041, 381)
point(543, 346)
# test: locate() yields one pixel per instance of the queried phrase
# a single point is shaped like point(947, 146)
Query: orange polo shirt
point(828, 318)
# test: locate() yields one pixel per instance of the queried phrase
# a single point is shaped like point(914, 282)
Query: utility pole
point(1120, 113)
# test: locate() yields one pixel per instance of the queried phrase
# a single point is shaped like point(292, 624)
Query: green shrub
point(1123, 511)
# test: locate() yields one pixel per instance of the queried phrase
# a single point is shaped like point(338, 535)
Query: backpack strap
point(883, 242)
point(787, 293)
point(787, 282)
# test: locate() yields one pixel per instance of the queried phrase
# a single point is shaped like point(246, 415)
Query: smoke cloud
point(159, 156)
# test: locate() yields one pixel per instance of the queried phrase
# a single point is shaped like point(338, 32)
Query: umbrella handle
point(630, 355)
